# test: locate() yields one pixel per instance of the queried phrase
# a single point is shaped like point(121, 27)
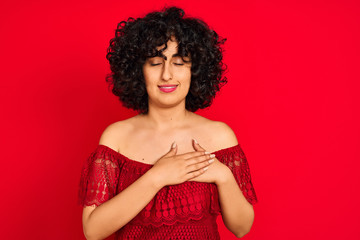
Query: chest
point(149, 146)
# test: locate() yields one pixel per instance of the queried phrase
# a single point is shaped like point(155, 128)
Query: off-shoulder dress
point(183, 211)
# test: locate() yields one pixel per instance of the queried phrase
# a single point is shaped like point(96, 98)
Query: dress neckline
point(217, 152)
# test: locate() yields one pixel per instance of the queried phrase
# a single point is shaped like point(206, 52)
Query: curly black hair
point(136, 40)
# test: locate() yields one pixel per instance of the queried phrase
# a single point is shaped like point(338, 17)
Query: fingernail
point(211, 160)
point(212, 155)
point(173, 145)
point(207, 152)
point(205, 168)
point(195, 141)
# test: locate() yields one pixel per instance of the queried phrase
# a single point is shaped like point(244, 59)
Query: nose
point(167, 73)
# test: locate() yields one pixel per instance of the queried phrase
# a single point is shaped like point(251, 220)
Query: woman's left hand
point(216, 172)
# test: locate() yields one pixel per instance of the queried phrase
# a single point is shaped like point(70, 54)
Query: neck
point(167, 118)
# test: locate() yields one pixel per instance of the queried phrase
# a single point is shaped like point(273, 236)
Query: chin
point(169, 103)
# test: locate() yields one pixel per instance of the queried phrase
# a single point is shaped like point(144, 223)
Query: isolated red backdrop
point(292, 100)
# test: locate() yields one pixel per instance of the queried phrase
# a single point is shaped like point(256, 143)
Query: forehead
point(171, 47)
point(171, 50)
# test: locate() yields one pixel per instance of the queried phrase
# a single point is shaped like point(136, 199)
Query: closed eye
point(155, 64)
point(179, 64)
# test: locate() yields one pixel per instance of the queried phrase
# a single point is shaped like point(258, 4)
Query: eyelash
point(155, 64)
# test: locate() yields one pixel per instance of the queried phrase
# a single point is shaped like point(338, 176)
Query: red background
point(292, 100)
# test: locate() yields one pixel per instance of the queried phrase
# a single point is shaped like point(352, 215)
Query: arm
point(237, 212)
point(102, 221)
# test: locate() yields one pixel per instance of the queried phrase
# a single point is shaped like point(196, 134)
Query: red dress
point(183, 211)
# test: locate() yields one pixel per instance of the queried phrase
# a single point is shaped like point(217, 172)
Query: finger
point(197, 146)
point(189, 155)
point(172, 151)
point(194, 174)
point(198, 165)
point(204, 158)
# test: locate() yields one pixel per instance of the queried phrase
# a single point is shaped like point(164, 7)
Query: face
point(167, 78)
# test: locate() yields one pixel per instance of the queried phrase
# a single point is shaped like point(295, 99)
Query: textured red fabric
point(182, 211)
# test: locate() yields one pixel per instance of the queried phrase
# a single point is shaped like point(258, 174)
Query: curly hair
point(136, 40)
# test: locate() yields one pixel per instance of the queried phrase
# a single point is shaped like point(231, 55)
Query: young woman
point(166, 173)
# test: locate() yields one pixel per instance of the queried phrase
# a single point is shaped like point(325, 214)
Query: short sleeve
point(98, 178)
point(235, 159)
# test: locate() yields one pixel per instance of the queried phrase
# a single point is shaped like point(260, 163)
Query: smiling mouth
point(167, 88)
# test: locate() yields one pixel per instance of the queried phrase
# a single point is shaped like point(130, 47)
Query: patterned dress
point(183, 211)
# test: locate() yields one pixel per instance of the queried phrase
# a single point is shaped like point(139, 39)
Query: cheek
point(148, 78)
point(186, 76)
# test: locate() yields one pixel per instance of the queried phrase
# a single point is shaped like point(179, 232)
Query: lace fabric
point(235, 159)
point(193, 229)
point(106, 173)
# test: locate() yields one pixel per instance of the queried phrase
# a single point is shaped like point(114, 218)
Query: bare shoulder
point(223, 135)
point(115, 132)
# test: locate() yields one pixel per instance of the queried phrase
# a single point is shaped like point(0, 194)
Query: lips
point(167, 88)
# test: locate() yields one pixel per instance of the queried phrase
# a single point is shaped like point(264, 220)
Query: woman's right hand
point(173, 169)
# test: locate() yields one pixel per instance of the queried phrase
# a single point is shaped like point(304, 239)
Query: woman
point(149, 178)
